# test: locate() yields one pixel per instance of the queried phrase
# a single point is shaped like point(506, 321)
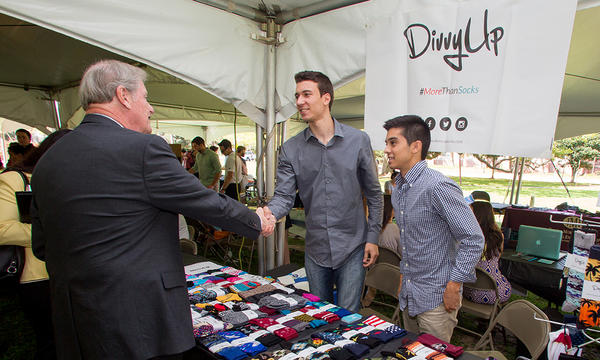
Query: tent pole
point(259, 186)
point(512, 189)
point(519, 180)
point(259, 162)
point(270, 141)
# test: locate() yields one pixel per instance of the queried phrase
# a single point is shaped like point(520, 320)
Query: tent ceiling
point(37, 59)
point(40, 59)
point(283, 11)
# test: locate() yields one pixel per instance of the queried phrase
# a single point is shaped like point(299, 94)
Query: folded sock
point(435, 343)
point(311, 297)
point(243, 342)
point(238, 318)
point(348, 319)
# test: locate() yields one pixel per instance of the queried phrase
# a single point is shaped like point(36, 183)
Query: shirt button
point(401, 212)
point(408, 280)
point(402, 230)
point(409, 185)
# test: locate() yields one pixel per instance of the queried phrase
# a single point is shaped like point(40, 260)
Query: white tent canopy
point(214, 50)
point(220, 47)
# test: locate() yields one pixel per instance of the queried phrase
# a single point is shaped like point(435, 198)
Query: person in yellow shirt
point(33, 289)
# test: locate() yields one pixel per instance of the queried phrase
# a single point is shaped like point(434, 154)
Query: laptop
point(540, 242)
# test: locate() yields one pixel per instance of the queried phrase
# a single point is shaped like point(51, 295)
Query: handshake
point(267, 220)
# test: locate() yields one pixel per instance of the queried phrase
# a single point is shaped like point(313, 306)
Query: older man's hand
point(267, 221)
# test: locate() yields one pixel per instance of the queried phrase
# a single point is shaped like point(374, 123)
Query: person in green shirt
point(207, 164)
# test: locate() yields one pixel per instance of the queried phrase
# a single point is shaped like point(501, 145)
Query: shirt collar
point(108, 117)
point(412, 174)
point(337, 130)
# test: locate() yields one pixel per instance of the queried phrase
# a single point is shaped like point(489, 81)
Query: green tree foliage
point(577, 152)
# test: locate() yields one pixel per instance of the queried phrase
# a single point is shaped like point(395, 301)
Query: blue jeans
point(348, 280)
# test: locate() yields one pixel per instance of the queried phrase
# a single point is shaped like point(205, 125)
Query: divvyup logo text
point(420, 40)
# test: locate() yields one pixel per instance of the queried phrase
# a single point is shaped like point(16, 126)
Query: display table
point(515, 217)
point(202, 352)
point(541, 279)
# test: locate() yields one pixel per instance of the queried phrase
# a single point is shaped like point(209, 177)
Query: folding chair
point(385, 278)
point(217, 241)
point(518, 318)
point(388, 256)
point(188, 246)
point(192, 231)
point(484, 311)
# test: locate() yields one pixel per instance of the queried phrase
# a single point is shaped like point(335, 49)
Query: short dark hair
point(225, 143)
point(214, 148)
point(25, 132)
point(323, 83)
point(198, 140)
point(33, 157)
point(414, 128)
point(16, 148)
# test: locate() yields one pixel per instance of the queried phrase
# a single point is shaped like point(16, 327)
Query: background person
point(24, 139)
point(104, 217)
point(390, 184)
point(332, 166)
point(241, 151)
point(492, 250)
point(233, 171)
point(207, 164)
point(440, 239)
point(16, 155)
point(33, 289)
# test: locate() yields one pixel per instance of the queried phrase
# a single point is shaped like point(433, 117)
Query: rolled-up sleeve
point(448, 201)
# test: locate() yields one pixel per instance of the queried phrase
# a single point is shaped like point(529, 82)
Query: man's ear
point(123, 96)
point(416, 147)
point(326, 98)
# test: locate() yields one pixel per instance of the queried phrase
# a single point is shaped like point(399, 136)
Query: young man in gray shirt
point(332, 167)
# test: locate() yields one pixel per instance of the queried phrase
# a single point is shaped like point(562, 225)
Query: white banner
point(485, 75)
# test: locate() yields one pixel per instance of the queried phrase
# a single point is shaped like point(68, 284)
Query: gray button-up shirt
point(439, 235)
point(331, 180)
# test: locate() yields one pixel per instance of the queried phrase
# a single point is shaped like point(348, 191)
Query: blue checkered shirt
point(439, 235)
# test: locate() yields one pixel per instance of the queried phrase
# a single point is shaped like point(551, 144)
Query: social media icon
point(445, 123)
point(430, 122)
point(461, 123)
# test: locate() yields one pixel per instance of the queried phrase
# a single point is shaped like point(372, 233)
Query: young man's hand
point(371, 254)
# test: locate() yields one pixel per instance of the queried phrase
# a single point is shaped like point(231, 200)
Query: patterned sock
point(382, 335)
point(434, 342)
point(238, 318)
point(590, 309)
point(340, 354)
point(243, 342)
point(396, 331)
point(376, 322)
point(340, 312)
point(280, 301)
point(327, 316)
point(229, 297)
point(358, 350)
point(582, 242)
point(259, 334)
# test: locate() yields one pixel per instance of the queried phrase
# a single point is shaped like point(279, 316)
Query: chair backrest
point(188, 246)
point(388, 256)
point(517, 317)
point(384, 277)
point(484, 281)
point(192, 232)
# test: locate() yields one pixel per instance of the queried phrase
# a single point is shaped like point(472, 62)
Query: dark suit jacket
point(105, 205)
